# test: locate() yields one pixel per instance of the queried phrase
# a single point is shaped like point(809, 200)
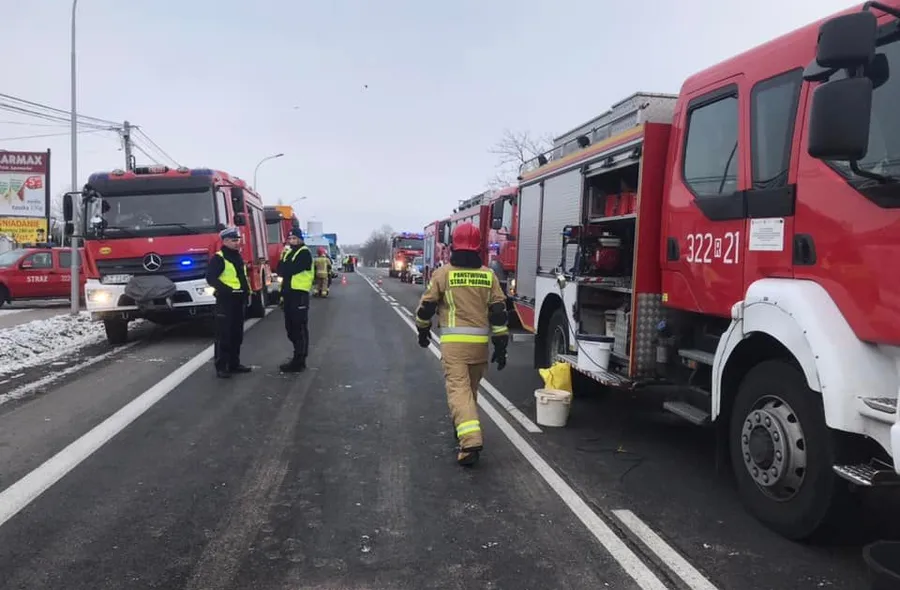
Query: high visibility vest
point(303, 280)
point(229, 274)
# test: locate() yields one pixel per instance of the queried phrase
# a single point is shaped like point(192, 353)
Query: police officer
point(471, 311)
point(227, 274)
point(296, 268)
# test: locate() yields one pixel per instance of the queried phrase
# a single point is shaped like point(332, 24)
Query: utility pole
point(75, 290)
point(126, 142)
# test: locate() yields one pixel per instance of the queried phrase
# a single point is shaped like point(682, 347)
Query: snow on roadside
point(42, 341)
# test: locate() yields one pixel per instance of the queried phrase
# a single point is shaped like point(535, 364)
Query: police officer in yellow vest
point(227, 274)
point(296, 268)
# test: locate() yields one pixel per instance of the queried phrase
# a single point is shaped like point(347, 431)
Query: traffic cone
point(343, 279)
point(379, 282)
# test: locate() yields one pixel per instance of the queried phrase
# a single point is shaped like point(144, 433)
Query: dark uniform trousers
point(230, 308)
point(296, 320)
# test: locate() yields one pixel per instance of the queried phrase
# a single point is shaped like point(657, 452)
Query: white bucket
point(594, 352)
point(553, 406)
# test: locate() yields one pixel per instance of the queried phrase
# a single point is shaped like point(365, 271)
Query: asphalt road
point(142, 470)
point(21, 312)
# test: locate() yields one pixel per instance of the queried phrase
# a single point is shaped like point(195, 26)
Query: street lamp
point(75, 292)
point(266, 159)
point(297, 200)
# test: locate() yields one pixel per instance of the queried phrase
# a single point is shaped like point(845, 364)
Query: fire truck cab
point(404, 247)
point(149, 235)
point(501, 238)
point(280, 220)
point(728, 250)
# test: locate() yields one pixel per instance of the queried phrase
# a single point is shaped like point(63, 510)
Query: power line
point(50, 135)
point(54, 109)
point(159, 149)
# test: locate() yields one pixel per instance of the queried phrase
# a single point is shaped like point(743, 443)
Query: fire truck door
point(705, 208)
point(772, 112)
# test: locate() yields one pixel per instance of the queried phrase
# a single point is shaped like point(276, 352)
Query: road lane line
point(679, 565)
point(614, 544)
point(20, 494)
point(507, 405)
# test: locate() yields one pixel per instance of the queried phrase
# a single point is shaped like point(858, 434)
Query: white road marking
point(684, 570)
point(507, 405)
point(26, 490)
point(630, 562)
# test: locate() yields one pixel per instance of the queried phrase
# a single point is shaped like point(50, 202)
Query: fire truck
point(501, 246)
point(727, 252)
point(280, 220)
point(404, 247)
point(148, 237)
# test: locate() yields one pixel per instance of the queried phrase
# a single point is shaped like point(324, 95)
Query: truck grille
point(173, 266)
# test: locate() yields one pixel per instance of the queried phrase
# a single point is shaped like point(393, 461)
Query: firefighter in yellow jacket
point(322, 266)
point(471, 311)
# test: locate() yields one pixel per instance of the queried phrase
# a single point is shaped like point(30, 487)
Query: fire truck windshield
point(273, 233)
point(128, 215)
point(883, 155)
point(408, 243)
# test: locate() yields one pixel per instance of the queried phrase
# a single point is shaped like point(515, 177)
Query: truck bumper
point(107, 301)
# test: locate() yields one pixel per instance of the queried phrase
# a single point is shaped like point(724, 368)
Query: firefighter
point(296, 268)
point(471, 311)
point(322, 265)
point(227, 274)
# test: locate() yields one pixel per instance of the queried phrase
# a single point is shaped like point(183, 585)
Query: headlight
point(100, 296)
point(398, 265)
point(278, 279)
point(206, 291)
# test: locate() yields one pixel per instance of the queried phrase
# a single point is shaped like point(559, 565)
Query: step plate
point(692, 414)
point(888, 405)
point(867, 475)
point(604, 377)
point(700, 356)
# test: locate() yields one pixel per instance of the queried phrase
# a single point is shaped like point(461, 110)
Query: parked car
point(36, 273)
point(416, 272)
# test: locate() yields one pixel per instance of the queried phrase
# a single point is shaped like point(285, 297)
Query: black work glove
point(424, 337)
point(499, 355)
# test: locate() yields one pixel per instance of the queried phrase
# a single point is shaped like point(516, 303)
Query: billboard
point(24, 184)
point(24, 230)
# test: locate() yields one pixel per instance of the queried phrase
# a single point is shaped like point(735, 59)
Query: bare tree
point(513, 150)
point(377, 247)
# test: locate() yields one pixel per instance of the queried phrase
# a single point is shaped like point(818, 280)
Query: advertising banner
point(24, 184)
point(24, 230)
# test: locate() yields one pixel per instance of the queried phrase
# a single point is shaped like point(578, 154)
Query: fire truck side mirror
point(497, 215)
point(240, 220)
point(68, 208)
point(847, 41)
point(839, 120)
point(68, 228)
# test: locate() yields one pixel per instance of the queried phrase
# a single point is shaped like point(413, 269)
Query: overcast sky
point(224, 83)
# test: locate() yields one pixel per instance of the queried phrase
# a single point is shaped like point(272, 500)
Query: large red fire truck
point(732, 245)
point(405, 246)
point(501, 239)
point(280, 220)
point(149, 234)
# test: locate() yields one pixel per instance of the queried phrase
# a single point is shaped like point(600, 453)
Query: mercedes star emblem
point(152, 262)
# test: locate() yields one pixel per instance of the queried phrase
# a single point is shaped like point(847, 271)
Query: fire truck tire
point(257, 305)
point(116, 331)
point(782, 453)
point(4, 295)
point(557, 340)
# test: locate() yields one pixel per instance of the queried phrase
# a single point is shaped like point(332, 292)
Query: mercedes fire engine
point(149, 234)
point(732, 246)
point(404, 247)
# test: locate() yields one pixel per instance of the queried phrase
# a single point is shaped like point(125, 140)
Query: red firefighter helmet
point(322, 251)
point(466, 237)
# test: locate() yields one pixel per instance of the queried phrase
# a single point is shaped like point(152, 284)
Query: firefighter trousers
point(296, 321)
point(229, 330)
point(322, 284)
point(461, 378)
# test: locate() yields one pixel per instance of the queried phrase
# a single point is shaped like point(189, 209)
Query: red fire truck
point(280, 220)
point(404, 247)
point(501, 246)
point(149, 234)
point(732, 246)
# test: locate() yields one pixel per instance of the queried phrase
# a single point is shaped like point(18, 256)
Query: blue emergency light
point(186, 262)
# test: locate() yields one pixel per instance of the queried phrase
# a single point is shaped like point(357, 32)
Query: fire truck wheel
point(557, 339)
point(4, 295)
point(782, 453)
point(257, 305)
point(116, 331)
